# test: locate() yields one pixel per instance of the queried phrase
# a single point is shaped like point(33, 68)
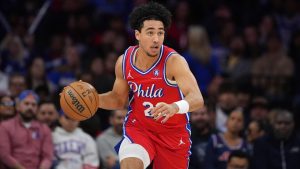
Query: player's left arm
point(178, 69)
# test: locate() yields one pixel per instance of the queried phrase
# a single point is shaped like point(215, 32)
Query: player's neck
point(142, 60)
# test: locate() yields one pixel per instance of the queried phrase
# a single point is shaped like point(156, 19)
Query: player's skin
point(151, 38)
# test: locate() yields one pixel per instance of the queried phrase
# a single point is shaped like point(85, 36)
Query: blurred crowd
point(245, 56)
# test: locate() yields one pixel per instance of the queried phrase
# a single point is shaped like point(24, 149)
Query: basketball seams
point(78, 110)
point(96, 101)
point(93, 91)
point(82, 100)
point(71, 106)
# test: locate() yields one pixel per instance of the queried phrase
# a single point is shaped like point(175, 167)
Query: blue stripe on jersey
point(124, 128)
point(188, 128)
point(187, 115)
point(124, 62)
point(130, 97)
point(165, 72)
point(140, 71)
point(117, 147)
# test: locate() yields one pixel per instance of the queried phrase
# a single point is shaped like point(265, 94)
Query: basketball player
point(161, 90)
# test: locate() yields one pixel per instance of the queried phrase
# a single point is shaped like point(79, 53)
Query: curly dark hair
point(149, 11)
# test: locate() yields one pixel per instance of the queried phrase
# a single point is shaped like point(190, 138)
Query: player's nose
point(155, 38)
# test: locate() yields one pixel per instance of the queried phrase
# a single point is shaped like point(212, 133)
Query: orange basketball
point(79, 100)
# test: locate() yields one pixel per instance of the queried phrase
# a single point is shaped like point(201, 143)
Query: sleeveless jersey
point(148, 88)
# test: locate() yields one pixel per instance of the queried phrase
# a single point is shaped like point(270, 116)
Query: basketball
point(79, 100)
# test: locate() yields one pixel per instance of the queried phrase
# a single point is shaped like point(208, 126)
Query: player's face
point(151, 37)
point(28, 108)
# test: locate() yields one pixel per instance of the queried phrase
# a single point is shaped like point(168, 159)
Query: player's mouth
point(154, 47)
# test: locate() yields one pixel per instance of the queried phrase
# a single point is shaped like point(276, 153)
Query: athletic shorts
point(166, 150)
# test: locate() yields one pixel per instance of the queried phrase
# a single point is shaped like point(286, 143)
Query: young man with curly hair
point(160, 89)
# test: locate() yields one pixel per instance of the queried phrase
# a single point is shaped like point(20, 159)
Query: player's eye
point(160, 33)
point(150, 33)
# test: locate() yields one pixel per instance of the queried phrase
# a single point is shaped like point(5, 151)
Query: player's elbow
point(199, 102)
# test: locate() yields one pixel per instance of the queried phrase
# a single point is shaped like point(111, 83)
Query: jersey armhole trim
point(171, 83)
point(124, 63)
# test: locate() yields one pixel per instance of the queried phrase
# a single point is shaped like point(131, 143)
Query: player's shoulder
point(176, 59)
point(126, 53)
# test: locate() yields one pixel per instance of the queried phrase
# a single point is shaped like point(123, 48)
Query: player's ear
point(137, 34)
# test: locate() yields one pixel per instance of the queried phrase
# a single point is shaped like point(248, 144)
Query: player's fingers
point(160, 112)
point(160, 115)
point(166, 119)
point(156, 110)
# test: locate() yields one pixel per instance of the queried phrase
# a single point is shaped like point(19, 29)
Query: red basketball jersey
point(148, 88)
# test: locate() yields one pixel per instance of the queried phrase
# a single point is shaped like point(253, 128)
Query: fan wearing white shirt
point(73, 148)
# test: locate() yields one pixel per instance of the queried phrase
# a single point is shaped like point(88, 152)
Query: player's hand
point(164, 110)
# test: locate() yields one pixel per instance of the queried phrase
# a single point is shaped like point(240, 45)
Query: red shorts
point(167, 150)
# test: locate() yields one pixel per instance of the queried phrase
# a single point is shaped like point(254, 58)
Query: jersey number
point(148, 106)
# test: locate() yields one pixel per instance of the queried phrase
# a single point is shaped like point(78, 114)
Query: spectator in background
point(109, 138)
point(201, 133)
point(7, 107)
point(259, 109)
point(26, 143)
point(238, 160)
point(55, 50)
point(3, 80)
point(288, 20)
point(266, 26)
point(267, 72)
point(98, 72)
point(70, 68)
point(256, 129)
point(202, 63)
point(48, 114)
point(178, 28)
point(252, 47)
point(243, 95)
point(294, 52)
point(221, 145)
point(110, 60)
point(226, 103)
point(36, 75)
point(237, 66)
point(221, 30)
point(73, 148)
point(13, 54)
point(281, 148)
point(16, 84)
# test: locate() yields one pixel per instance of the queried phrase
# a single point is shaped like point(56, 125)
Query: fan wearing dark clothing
point(281, 149)
point(221, 145)
point(201, 133)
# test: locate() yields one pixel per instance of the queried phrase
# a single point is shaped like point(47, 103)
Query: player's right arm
point(118, 96)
